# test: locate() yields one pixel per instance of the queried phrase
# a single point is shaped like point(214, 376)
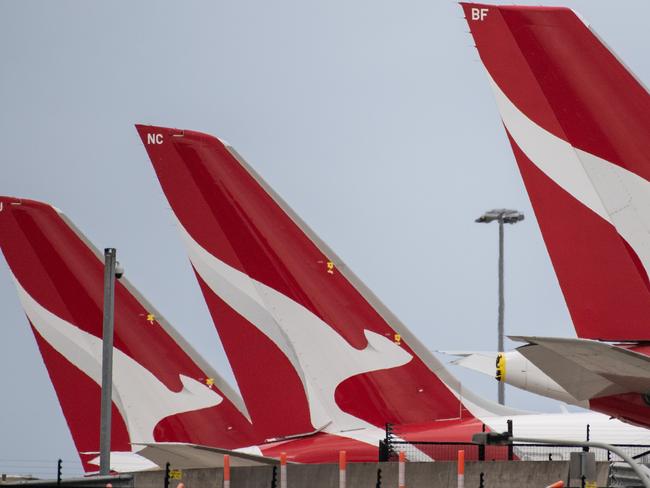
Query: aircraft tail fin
point(328, 354)
point(577, 120)
point(162, 389)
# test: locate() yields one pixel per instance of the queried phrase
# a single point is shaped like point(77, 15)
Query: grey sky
point(372, 118)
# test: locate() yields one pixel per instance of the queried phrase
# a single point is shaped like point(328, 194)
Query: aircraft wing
point(189, 456)
point(586, 368)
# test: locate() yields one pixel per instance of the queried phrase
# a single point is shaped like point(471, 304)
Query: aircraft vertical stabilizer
point(578, 122)
point(311, 347)
point(162, 389)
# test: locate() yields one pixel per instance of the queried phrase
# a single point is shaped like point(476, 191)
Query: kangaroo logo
point(307, 341)
point(141, 398)
point(617, 195)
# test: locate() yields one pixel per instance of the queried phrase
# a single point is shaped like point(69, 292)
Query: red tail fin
point(163, 391)
point(578, 123)
point(310, 346)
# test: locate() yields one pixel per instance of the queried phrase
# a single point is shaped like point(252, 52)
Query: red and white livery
point(307, 340)
point(578, 122)
point(163, 391)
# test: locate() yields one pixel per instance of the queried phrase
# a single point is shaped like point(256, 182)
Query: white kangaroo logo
point(318, 353)
point(617, 195)
point(141, 398)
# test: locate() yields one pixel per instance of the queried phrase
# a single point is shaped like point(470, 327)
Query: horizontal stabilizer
point(586, 368)
point(124, 462)
point(191, 456)
point(461, 354)
point(483, 362)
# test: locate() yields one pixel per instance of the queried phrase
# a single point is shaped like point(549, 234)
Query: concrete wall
point(502, 474)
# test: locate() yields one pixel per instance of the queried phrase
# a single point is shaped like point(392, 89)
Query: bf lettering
point(479, 13)
point(154, 138)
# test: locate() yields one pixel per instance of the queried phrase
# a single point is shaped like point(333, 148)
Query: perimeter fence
point(423, 451)
point(448, 451)
point(40, 468)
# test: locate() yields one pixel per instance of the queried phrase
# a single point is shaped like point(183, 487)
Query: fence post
point(226, 471)
point(274, 477)
point(342, 468)
point(401, 474)
point(389, 441)
point(166, 482)
point(383, 451)
point(283, 470)
point(461, 468)
point(510, 448)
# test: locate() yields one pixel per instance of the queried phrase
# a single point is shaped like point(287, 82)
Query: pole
point(167, 475)
point(510, 448)
point(461, 468)
point(107, 362)
point(401, 471)
point(500, 347)
point(342, 469)
point(226, 471)
point(600, 445)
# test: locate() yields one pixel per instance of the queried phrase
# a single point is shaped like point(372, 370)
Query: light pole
point(502, 216)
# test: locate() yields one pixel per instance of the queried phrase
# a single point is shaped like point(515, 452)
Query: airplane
point(333, 365)
point(168, 402)
point(578, 122)
point(163, 391)
point(308, 342)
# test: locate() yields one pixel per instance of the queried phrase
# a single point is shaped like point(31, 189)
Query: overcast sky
point(372, 118)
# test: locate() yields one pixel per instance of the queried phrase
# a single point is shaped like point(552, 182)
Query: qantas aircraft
point(578, 122)
point(330, 359)
point(163, 390)
point(166, 395)
point(329, 389)
point(321, 363)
